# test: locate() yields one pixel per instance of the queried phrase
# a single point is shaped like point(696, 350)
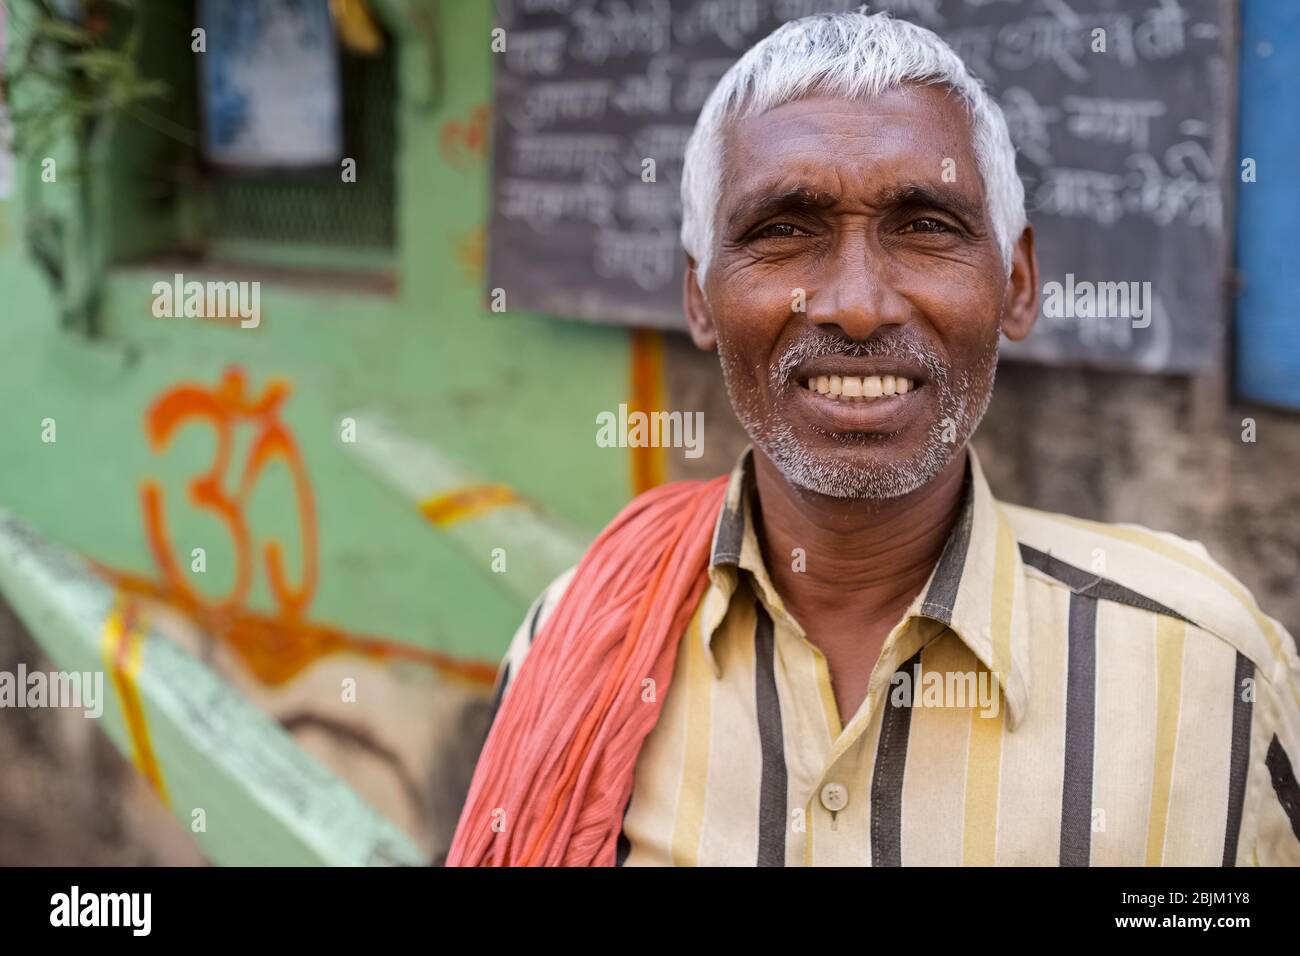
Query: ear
point(699, 317)
point(1021, 310)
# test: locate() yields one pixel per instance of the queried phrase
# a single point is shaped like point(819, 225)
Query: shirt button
point(835, 797)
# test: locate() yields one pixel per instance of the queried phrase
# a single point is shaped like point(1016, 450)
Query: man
point(867, 658)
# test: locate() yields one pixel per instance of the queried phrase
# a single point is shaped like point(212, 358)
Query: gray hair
point(852, 55)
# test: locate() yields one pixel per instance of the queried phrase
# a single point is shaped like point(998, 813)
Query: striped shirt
point(1061, 692)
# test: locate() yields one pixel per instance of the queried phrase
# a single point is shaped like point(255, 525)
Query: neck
point(864, 557)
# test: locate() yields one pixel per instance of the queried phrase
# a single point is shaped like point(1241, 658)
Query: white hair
point(854, 56)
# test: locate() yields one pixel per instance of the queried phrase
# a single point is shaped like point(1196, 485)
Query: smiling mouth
point(865, 388)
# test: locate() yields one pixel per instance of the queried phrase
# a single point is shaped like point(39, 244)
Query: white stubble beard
point(773, 435)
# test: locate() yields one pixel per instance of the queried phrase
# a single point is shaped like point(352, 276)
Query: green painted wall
point(514, 397)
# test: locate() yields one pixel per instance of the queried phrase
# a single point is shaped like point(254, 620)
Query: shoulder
point(531, 626)
point(1155, 570)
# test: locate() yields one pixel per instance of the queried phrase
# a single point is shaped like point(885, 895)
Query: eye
point(927, 224)
point(778, 230)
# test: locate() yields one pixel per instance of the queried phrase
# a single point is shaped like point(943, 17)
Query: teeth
point(865, 388)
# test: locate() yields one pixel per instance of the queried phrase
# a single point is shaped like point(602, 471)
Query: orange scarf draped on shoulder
point(557, 769)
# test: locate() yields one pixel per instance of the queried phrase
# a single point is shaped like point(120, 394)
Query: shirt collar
point(976, 588)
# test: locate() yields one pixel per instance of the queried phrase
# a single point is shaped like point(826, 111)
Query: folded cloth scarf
point(557, 769)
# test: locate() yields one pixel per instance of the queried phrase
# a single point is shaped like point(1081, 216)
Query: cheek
point(754, 291)
point(749, 314)
point(964, 313)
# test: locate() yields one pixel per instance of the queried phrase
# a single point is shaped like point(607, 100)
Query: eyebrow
point(935, 196)
point(760, 205)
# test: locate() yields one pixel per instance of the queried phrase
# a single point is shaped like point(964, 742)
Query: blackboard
point(1125, 154)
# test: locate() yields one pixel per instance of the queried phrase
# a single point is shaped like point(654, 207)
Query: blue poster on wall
point(269, 84)
point(1268, 301)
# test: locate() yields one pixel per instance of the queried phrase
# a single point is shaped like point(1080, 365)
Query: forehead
point(867, 145)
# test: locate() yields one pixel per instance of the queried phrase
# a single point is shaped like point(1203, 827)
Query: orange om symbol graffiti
point(224, 408)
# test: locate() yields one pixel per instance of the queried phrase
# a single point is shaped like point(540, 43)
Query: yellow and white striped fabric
point(1139, 710)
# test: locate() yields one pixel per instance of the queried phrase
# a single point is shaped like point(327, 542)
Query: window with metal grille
point(315, 208)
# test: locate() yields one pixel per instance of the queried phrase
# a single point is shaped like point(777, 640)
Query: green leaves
point(81, 69)
point(102, 65)
point(63, 31)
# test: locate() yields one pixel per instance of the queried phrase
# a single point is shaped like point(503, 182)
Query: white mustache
point(902, 345)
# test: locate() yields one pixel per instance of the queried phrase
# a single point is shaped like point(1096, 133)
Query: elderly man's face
point(856, 290)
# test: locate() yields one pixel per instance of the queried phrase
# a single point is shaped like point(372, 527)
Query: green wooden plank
point(264, 800)
point(519, 545)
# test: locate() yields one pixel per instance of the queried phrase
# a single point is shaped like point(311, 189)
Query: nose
point(854, 295)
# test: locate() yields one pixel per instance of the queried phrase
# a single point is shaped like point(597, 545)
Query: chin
point(842, 468)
